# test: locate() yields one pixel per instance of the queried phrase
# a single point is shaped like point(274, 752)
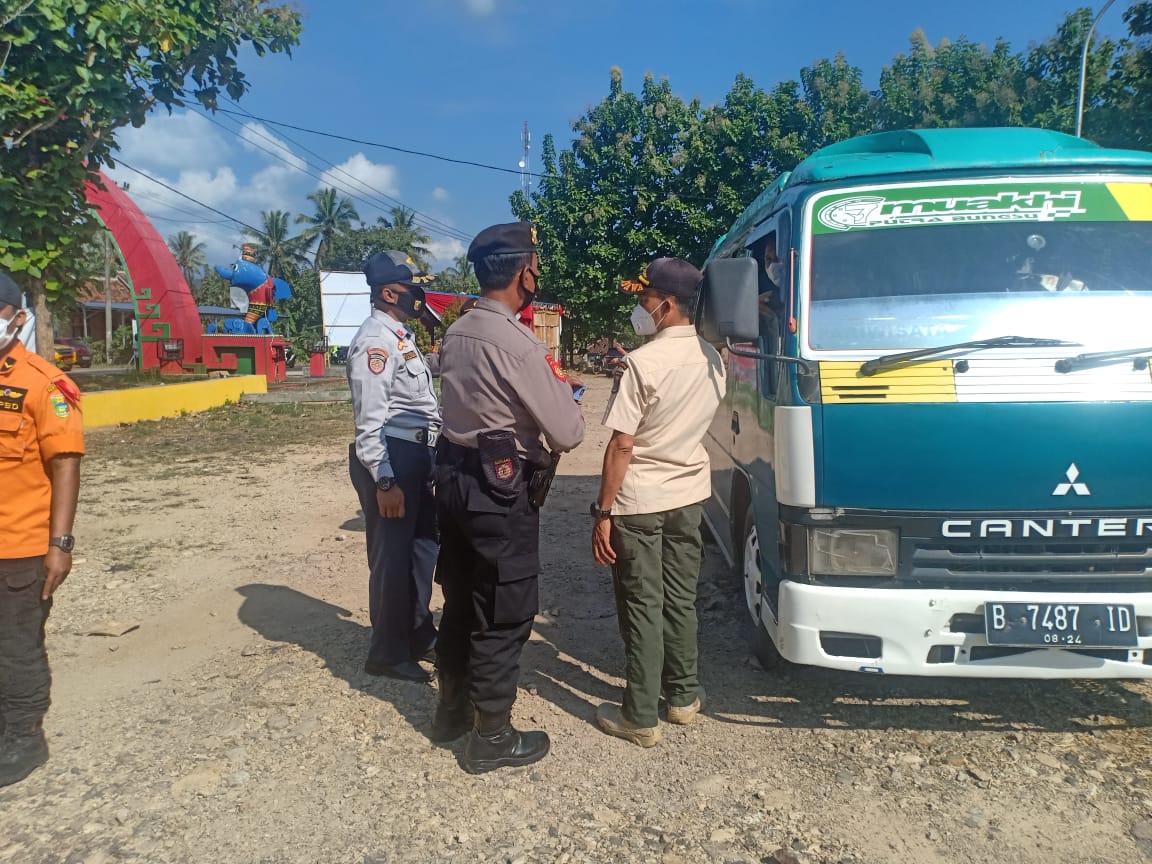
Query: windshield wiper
point(890, 361)
point(1083, 361)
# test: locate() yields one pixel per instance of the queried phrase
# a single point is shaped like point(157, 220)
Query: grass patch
point(93, 382)
point(246, 430)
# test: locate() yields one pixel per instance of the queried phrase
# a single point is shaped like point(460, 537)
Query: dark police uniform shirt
point(495, 374)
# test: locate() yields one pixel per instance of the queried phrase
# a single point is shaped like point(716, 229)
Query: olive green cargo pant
point(655, 576)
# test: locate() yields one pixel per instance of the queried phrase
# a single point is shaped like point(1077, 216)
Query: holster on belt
point(500, 464)
point(541, 480)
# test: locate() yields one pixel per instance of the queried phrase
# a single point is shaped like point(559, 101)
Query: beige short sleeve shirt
point(666, 399)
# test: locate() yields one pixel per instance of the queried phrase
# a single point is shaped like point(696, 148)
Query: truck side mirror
point(728, 301)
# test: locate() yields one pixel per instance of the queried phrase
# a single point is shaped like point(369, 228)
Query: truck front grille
point(1092, 566)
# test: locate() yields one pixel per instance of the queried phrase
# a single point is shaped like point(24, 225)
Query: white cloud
point(378, 177)
point(481, 8)
point(443, 253)
point(186, 140)
point(440, 194)
point(256, 138)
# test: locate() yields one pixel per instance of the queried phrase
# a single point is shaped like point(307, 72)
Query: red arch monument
point(171, 334)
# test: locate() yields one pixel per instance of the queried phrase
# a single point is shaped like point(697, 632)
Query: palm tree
point(408, 236)
point(332, 214)
point(189, 255)
point(460, 278)
point(282, 256)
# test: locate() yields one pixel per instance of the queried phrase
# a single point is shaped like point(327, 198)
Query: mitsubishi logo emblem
point(1073, 474)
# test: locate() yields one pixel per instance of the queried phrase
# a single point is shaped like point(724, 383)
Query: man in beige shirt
point(647, 518)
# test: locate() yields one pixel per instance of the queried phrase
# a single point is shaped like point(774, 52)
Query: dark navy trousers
point(25, 679)
point(401, 554)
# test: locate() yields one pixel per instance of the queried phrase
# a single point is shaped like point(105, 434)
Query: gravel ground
point(231, 721)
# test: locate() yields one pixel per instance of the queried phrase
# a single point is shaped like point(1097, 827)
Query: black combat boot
point(495, 744)
point(454, 712)
point(23, 751)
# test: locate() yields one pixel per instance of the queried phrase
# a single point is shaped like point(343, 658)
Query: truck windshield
point(918, 286)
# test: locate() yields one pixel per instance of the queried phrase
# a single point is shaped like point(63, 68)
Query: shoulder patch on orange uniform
point(67, 388)
point(556, 370)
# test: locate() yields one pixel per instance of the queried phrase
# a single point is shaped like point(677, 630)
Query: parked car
point(83, 352)
point(340, 355)
point(65, 356)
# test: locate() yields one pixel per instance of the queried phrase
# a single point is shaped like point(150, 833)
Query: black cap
point(390, 268)
point(673, 276)
point(511, 238)
point(10, 293)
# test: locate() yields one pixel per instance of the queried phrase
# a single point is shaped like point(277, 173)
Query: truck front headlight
point(852, 552)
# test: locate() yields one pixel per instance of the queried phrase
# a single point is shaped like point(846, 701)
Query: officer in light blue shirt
point(390, 464)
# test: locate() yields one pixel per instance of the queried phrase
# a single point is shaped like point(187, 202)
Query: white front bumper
point(909, 622)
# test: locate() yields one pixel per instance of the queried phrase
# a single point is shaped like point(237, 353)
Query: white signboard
point(344, 303)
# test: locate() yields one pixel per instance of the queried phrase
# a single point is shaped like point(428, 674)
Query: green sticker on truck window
point(982, 203)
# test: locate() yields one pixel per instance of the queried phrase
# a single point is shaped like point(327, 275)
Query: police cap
point(10, 293)
point(390, 268)
point(673, 276)
point(511, 238)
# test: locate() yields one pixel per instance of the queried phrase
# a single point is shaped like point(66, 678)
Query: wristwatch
point(385, 483)
point(66, 542)
point(599, 513)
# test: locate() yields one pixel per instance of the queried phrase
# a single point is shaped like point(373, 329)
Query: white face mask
point(643, 322)
point(8, 331)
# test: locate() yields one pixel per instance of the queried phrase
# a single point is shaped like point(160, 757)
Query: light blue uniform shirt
point(391, 388)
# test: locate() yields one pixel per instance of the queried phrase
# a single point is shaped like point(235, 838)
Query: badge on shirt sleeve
point(12, 399)
point(377, 359)
point(556, 370)
point(59, 405)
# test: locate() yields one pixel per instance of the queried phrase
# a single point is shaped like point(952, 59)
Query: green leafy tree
point(957, 83)
point(301, 317)
point(1119, 112)
point(189, 255)
point(272, 247)
point(73, 72)
point(331, 215)
point(459, 278)
point(350, 249)
point(212, 290)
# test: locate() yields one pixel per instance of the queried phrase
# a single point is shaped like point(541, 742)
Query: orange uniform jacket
point(39, 420)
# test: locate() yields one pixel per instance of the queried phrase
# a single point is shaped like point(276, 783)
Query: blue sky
point(460, 77)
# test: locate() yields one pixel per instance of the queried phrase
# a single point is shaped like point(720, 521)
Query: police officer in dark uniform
point(390, 464)
point(501, 391)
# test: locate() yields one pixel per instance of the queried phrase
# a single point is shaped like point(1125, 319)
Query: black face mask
point(531, 294)
point(411, 302)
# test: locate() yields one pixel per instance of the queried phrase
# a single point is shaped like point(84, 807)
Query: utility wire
point(426, 217)
point(392, 147)
point(276, 154)
point(187, 197)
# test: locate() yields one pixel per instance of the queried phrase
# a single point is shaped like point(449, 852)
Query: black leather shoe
point(22, 754)
point(428, 656)
point(495, 744)
point(454, 712)
point(406, 670)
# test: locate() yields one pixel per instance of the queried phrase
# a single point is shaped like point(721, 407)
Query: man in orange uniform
point(41, 442)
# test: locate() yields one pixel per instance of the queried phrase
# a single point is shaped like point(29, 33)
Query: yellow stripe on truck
point(1135, 199)
point(841, 381)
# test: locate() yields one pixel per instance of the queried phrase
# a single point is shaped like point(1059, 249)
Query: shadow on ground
point(282, 614)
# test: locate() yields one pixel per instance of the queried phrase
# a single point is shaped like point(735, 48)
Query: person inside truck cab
point(771, 287)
